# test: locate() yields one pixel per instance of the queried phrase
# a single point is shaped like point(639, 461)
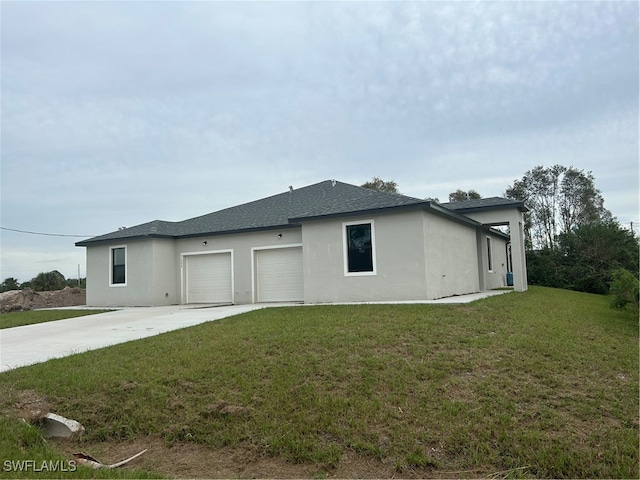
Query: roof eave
point(90, 242)
point(353, 213)
point(464, 219)
point(519, 205)
point(426, 205)
point(239, 230)
point(451, 214)
point(498, 233)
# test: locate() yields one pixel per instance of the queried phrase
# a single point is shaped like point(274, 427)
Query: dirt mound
point(27, 299)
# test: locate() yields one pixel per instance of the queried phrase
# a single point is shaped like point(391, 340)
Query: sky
point(115, 113)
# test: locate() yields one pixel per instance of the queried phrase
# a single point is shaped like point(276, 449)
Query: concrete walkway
point(29, 344)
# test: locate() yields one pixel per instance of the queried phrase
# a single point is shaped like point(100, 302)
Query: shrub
point(625, 290)
point(48, 281)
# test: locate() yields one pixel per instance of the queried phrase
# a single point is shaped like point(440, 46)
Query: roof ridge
point(259, 200)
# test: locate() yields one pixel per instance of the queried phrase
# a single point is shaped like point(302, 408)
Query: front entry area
point(208, 278)
point(278, 275)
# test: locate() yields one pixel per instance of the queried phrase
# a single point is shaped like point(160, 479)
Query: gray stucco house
point(327, 242)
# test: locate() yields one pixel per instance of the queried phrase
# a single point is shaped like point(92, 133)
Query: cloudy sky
point(117, 113)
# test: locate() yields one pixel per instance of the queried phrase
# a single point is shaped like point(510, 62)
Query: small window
point(118, 266)
point(359, 247)
point(489, 256)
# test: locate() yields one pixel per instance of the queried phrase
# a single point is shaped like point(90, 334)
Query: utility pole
point(78, 275)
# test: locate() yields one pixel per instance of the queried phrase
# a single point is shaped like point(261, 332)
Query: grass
point(537, 384)
point(18, 319)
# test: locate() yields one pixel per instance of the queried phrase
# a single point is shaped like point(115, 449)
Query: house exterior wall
point(451, 257)
point(241, 246)
point(148, 265)
point(155, 272)
point(419, 255)
point(164, 290)
point(400, 260)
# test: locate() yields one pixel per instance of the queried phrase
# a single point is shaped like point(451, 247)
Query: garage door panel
point(209, 278)
point(279, 275)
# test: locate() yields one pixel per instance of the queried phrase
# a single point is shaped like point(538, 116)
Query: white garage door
point(208, 278)
point(279, 275)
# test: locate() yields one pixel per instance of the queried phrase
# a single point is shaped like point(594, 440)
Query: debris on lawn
point(34, 408)
point(58, 426)
point(89, 461)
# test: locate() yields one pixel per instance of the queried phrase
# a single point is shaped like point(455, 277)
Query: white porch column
point(519, 263)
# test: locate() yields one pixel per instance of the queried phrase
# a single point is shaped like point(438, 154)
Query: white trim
point(254, 286)
point(206, 252)
point(345, 248)
point(126, 266)
point(183, 280)
point(273, 247)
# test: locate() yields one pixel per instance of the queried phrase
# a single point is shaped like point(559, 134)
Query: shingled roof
point(321, 200)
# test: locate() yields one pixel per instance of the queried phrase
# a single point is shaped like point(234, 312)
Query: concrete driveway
point(20, 346)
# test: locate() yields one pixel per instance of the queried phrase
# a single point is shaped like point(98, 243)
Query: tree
point(580, 203)
point(48, 281)
point(544, 267)
point(461, 195)
point(559, 199)
point(625, 291)
point(591, 253)
point(376, 183)
point(586, 258)
point(9, 283)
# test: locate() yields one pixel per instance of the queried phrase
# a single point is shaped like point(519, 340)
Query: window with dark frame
point(359, 248)
point(118, 260)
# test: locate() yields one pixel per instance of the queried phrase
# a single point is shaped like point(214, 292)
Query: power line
point(46, 234)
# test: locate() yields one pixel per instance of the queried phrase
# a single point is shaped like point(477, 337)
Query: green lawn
point(18, 319)
point(541, 384)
